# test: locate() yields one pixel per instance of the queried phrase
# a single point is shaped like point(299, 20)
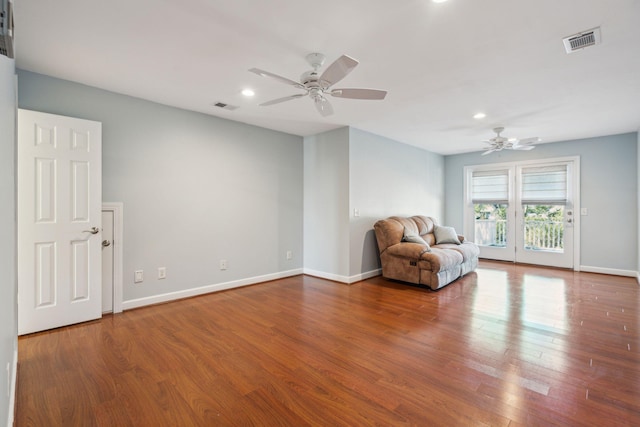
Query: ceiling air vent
point(581, 40)
point(225, 106)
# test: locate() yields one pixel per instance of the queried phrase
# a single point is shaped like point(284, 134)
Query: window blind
point(544, 185)
point(490, 186)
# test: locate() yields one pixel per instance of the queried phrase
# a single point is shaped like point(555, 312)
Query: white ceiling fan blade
point(323, 106)
point(527, 141)
point(276, 77)
point(523, 147)
point(489, 151)
point(337, 71)
point(359, 93)
point(279, 100)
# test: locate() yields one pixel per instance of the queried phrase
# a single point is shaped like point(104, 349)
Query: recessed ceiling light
point(438, 1)
point(479, 116)
point(248, 92)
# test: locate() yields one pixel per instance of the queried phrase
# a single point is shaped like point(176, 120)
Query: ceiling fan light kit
point(499, 142)
point(317, 86)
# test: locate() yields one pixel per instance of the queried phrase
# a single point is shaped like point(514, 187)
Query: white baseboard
point(324, 275)
point(366, 275)
point(187, 293)
point(611, 271)
point(343, 279)
point(12, 395)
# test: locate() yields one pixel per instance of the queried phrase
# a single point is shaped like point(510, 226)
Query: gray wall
point(388, 178)
point(348, 169)
point(608, 188)
point(196, 189)
point(8, 289)
point(326, 202)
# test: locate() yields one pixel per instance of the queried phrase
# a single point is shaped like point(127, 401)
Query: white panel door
point(59, 221)
point(545, 228)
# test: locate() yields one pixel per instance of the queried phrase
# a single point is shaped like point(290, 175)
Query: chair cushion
point(413, 237)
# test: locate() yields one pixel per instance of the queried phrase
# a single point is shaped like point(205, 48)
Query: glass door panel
point(492, 231)
point(546, 236)
point(544, 228)
point(490, 224)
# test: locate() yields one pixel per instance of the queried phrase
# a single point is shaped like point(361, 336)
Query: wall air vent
point(225, 106)
point(6, 28)
point(581, 40)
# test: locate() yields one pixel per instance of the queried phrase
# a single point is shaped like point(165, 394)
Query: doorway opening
point(112, 267)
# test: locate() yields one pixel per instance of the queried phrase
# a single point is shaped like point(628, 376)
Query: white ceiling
point(441, 63)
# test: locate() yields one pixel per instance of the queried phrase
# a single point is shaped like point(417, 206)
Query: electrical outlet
point(289, 255)
point(223, 264)
point(162, 272)
point(138, 276)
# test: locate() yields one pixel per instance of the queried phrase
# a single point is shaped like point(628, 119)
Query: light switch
point(138, 276)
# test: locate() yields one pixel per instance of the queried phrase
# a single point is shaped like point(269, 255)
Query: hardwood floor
point(508, 345)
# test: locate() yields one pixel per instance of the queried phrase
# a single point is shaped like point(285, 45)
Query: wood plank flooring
point(508, 345)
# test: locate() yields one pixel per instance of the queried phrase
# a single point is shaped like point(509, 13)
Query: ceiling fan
point(317, 86)
point(499, 143)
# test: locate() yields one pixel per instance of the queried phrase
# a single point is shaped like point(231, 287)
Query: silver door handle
point(106, 243)
point(94, 230)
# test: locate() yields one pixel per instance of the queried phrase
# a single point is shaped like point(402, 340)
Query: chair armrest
point(407, 250)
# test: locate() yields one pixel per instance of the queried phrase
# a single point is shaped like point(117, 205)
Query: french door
point(524, 212)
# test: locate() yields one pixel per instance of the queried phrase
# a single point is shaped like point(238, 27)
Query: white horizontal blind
point(490, 186)
point(544, 185)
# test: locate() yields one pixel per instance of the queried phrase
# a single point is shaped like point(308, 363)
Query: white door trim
point(118, 217)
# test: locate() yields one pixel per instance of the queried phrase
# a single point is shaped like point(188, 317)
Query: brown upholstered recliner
point(430, 264)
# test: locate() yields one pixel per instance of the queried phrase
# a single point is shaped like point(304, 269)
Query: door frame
point(575, 160)
point(117, 209)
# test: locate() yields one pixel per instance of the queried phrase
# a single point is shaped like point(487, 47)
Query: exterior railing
point(544, 235)
point(538, 234)
point(491, 232)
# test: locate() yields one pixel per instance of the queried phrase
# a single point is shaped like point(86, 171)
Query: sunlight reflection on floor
point(520, 316)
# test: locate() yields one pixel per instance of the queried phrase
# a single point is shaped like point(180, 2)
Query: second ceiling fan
point(499, 143)
point(317, 86)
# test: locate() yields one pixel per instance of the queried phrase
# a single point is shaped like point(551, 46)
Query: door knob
point(106, 243)
point(94, 230)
